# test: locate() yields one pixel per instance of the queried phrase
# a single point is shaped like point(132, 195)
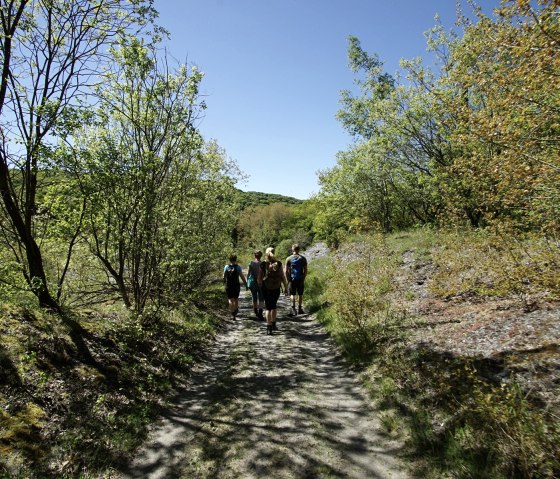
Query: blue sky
point(274, 71)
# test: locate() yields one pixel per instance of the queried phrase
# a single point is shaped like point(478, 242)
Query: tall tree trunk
point(37, 277)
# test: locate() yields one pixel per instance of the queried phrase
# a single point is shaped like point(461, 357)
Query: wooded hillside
point(256, 198)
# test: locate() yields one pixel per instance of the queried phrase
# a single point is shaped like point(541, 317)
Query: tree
point(359, 115)
point(388, 178)
point(52, 51)
point(153, 186)
point(476, 141)
point(506, 96)
point(260, 226)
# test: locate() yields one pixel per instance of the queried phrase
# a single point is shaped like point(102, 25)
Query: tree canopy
point(109, 190)
point(475, 142)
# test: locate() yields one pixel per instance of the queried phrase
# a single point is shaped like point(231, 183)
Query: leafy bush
point(360, 315)
point(487, 263)
point(284, 249)
point(464, 423)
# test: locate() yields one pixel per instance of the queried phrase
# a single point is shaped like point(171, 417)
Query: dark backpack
point(272, 275)
point(232, 276)
point(296, 267)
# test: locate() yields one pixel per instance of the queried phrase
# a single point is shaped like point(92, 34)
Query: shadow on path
point(280, 406)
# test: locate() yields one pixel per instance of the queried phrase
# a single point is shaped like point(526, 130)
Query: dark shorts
point(270, 297)
point(296, 286)
point(233, 291)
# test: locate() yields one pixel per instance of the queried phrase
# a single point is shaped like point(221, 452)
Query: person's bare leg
point(269, 325)
point(233, 306)
point(293, 301)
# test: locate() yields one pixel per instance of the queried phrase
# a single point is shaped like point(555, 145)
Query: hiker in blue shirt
point(232, 273)
point(296, 271)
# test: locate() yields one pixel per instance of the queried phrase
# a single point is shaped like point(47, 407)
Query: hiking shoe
point(300, 311)
point(292, 312)
point(274, 327)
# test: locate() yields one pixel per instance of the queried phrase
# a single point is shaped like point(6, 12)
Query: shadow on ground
point(269, 406)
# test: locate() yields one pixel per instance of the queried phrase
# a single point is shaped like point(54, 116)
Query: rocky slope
point(521, 342)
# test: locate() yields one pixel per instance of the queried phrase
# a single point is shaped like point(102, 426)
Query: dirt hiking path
point(281, 406)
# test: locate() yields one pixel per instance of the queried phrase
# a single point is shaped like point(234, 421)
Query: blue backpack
point(296, 267)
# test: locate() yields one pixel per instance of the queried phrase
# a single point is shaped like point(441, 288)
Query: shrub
point(361, 316)
point(489, 263)
point(462, 419)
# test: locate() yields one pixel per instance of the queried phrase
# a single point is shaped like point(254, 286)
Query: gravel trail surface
point(280, 406)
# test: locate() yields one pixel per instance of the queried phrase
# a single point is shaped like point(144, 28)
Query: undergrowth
point(492, 263)
point(461, 420)
point(78, 393)
point(462, 417)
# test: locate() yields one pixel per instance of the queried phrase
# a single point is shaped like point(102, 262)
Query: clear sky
point(274, 70)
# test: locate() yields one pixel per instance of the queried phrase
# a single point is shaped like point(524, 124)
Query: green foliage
point(376, 86)
point(260, 226)
point(157, 201)
point(315, 285)
point(485, 263)
point(64, 415)
point(332, 217)
point(42, 104)
point(386, 181)
point(506, 119)
point(13, 287)
point(284, 248)
point(276, 224)
point(422, 241)
point(474, 142)
point(298, 227)
point(462, 421)
point(460, 418)
point(356, 288)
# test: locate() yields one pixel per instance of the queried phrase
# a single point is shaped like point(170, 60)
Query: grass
point(489, 263)
point(78, 394)
point(459, 418)
point(465, 422)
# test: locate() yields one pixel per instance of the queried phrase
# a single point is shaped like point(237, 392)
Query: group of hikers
point(264, 279)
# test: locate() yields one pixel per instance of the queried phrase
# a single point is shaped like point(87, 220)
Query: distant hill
point(256, 198)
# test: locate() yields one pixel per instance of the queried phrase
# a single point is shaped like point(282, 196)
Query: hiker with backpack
point(296, 271)
point(232, 273)
point(252, 283)
point(271, 277)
